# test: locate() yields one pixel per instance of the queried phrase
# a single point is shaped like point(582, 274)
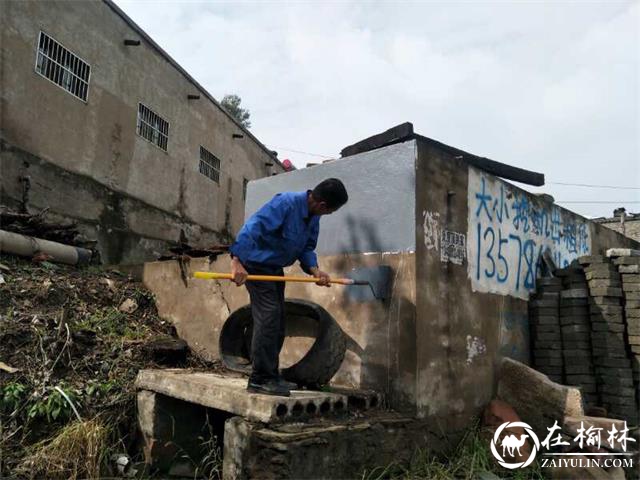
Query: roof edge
point(493, 167)
point(404, 131)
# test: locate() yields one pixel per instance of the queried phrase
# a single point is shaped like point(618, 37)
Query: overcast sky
point(547, 86)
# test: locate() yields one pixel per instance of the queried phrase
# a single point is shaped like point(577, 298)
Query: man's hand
point(238, 272)
point(323, 277)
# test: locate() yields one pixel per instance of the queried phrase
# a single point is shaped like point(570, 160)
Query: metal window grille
point(57, 64)
point(209, 165)
point(152, 127)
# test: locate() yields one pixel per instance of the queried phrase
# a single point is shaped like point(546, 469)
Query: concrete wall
point(630, 228)
point(381, 341)
point(380, 211)
point(465, 324)
point(375, 228)
point(339, 449)
point(48, 128)
point(433, 347)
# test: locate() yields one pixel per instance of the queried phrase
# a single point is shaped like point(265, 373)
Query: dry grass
point(75, 452)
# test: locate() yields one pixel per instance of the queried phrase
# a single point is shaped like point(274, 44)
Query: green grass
point(106, 321)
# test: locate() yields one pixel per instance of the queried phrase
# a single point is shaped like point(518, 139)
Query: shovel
point(378, 283)
point(275, 278)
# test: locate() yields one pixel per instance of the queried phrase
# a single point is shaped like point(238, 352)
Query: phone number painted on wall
point(509, 230)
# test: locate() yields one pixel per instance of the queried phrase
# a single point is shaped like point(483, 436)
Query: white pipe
point(28, 246)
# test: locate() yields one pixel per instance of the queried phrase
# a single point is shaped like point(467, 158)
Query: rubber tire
point(316, 368)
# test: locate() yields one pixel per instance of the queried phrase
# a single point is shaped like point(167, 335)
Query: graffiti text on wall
point(431, 229)
point(508, 231)
point(452, 247)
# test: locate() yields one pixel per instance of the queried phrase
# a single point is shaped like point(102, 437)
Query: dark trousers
point(267, 310)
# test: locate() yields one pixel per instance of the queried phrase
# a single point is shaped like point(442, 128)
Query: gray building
point(101, 126)
point(623, 222)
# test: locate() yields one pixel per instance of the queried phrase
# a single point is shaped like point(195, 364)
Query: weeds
point(54, 406)
point(107, 321)
point(44, 313)
point(11, 397)
point(97, 389)
point(51, 406)
point(469, 460)
point(76, 451)
point(210, 466)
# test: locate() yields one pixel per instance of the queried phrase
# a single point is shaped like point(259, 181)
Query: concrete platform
point(178, 436)
point(230, 395)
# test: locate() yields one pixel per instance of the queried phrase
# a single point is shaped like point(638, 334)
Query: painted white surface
point(380, 214)
point(508, 230)
point(431, 227)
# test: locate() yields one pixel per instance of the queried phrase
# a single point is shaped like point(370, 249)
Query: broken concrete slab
point(230, 395)
point(536, 399)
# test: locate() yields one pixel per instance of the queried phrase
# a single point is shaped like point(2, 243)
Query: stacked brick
point(545, 328)
point(576, 333)
point(610, 358)
point(628, 264)
point(585, 325)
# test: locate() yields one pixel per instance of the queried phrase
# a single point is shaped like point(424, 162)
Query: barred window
point(152, 127)
point(209, 165)
point(59, 65)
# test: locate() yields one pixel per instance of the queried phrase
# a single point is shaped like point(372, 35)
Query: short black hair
point(332, 192)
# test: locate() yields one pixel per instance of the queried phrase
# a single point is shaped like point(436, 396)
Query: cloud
point(551, 87)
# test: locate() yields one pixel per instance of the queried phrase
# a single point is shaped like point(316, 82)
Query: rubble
point(37, 225)
point(61, 327)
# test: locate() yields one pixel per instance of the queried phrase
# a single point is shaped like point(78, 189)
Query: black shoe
point(289, 385)
point(270, 387)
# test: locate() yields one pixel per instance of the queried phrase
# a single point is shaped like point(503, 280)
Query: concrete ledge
point(322, 449)
point(230, 395)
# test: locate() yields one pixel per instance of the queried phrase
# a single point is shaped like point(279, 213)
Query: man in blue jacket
point(284, 230)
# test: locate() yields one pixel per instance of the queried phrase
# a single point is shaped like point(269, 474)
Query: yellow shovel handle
point(268, 278)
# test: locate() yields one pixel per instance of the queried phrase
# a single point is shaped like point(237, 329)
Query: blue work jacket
point(280, 233)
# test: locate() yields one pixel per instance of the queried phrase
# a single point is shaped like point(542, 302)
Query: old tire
point(317, 367)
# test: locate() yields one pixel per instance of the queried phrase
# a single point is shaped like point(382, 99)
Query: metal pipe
point(22, 245)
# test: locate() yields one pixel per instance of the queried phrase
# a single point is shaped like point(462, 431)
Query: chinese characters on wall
point(508, 231)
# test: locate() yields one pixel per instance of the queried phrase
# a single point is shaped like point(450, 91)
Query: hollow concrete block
point(230, 395)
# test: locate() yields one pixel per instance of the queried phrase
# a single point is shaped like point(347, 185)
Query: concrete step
point(230, 395)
